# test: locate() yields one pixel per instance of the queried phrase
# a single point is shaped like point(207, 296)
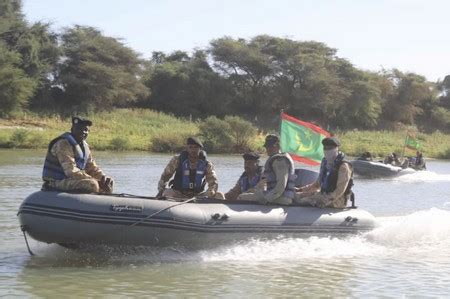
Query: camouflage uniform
point(86, 180)
point(311, 194)
point(169, 171)
point(234, 192)
point(274, 196)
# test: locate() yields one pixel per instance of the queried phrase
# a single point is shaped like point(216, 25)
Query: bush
point(168, 143)
point(242, 133)
point(119, 144)
point(18, 138)
point(216, 135)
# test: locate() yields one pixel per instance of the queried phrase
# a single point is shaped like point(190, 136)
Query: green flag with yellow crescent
point(302, 140)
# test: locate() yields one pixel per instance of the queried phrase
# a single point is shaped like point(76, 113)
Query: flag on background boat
point(302, 140)
point(411, 142)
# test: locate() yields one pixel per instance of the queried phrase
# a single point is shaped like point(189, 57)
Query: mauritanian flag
point(411, 142)
point(302, 140)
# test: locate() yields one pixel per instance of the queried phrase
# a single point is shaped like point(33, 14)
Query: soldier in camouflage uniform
point(192, 172)
point(333, 188)
point(69, 165)
point(279, 176)
point(250, 178)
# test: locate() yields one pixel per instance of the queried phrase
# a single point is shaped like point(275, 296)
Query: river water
point(408, 255)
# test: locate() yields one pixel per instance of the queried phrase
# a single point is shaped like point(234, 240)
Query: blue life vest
point(246, 184)
point(187, 179)
point(271, 178)
point(53, 169)
point(328, 176)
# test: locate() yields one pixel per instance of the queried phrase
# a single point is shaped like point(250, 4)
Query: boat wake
point(423, 176)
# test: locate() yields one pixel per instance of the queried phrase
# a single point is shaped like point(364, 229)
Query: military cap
point(271, 140)
point(331, 141)
point(194, 141)
point(250, 156)
point(76, 120)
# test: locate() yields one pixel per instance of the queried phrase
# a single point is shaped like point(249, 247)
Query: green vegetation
point(146, 130)
point(137, 129)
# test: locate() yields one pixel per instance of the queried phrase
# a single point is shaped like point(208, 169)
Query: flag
point(302, 140)
point(411, 142)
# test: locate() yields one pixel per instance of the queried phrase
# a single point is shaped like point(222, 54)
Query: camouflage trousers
point(320, 200)
point(79, 185)
point(182, 195)
point(285, 201)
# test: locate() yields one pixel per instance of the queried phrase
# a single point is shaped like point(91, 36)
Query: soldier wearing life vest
point(333, 187)
point(191, 171)
point(69, 165)
point(249, 179)
point(279, 176)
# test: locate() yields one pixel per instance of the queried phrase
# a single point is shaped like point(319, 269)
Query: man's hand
point(106, 184)
point(210, 193)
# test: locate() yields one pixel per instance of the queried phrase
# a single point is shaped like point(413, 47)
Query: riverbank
point(146, 130)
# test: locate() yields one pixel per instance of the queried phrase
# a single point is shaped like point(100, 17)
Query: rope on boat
point(24, 228)
point(162, 210)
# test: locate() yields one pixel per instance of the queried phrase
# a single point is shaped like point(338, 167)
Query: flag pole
point(279, 124)
point(404, 145)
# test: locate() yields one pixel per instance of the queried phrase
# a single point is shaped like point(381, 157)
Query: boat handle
point(217, 216)
point(351, 219)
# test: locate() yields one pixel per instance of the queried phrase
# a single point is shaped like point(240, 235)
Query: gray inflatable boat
point(372, 169)
point(74, 219)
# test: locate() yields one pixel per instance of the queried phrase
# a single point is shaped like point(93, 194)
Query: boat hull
point(373, 169)
point(65, 218)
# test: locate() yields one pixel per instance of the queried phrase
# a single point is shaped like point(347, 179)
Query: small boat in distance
point(373, 169)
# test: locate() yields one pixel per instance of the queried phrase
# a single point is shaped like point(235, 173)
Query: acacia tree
point(97, 72)
point(185, 85)
point(15, 86)
point(411, 92)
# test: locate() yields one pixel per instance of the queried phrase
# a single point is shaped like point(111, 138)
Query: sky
point(410, 35)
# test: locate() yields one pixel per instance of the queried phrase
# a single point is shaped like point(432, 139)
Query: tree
point(410, 93)
point(185, 85)
point(97, 72)
point(15, 87)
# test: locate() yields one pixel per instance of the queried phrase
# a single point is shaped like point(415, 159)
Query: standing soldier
point(279, 176)
point(69, 165)
point(333, 187)
point(192, 171)
point(249, 178)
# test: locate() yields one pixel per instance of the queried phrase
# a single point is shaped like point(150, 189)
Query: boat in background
point(372, 169)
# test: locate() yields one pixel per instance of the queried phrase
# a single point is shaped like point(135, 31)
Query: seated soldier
point(249, 178)
point(333, 187)
point(69, 165)
point(419, 162)
point(393, 160)
point(192, 171)
point(279, 176)
point(366, 156)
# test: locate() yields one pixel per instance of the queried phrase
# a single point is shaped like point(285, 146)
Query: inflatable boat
point(72, 219)
point(372, 169)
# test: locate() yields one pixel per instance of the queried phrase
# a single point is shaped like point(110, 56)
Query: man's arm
point(92, 169)
point(66, 157)
point(168, 173)
point(211, 179)
point(234, 192)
